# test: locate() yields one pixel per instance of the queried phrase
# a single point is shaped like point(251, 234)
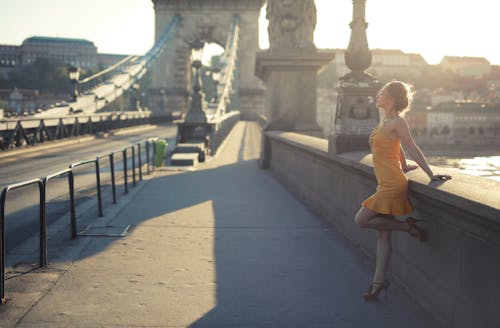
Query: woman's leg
point(384, 251)
point(366, 218)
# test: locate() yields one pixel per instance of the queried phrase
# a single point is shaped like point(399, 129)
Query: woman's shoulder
point(399, 121)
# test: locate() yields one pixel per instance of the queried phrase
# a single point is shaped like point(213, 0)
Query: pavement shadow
point(275, 264)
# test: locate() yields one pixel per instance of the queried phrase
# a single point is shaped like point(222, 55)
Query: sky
point(432, 28)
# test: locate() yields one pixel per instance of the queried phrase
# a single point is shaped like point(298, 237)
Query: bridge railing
point(43, 230)
point(229, 69)
point(460, 261)
point(100, 77)
point(108, 85)
point(29, 132)
point(70, 172)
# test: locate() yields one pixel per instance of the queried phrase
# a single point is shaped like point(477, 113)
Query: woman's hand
point(440, 177)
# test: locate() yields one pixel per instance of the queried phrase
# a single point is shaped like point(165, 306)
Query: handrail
point(229, 71)
point(98, 186)
point(43, 183)
point(71, 187)
point(15, 134)
point(43, 228)
point(106, 70)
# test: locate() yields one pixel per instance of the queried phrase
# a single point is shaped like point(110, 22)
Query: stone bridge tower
point(206, 21)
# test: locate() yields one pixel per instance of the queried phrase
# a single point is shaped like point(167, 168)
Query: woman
point(391, 198)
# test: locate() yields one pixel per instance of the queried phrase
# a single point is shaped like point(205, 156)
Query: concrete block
point(190, 148)
point(188, 159)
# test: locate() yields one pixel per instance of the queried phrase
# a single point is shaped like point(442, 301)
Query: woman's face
point(384, 100)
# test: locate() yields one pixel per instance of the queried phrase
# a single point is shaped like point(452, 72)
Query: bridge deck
point(223, 246)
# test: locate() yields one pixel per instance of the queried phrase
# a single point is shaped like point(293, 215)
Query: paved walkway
point(224, 245)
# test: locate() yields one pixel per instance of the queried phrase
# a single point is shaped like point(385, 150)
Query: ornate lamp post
point(135, 96)
point(356, 114)
point(216, 75)
point(197, 106)
point(162, 100)
point(74, 76)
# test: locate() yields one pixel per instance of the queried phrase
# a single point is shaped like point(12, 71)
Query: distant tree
point(43, 75)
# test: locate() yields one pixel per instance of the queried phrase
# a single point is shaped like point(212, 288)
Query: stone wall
point(455, 274)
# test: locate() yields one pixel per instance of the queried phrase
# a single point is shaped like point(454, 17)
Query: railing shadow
point(270, 261)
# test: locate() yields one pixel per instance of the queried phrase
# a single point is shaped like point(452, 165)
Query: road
point(21, 208)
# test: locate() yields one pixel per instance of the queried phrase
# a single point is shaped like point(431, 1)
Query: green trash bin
point(160, 152)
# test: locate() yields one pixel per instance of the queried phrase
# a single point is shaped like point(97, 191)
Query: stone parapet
point(455, 274)
point(291, 93)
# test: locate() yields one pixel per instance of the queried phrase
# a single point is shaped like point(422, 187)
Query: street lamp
point(196, 111)
point(74, 76)
point(162, 101)
point(135, 96)
point(121, 96)
point(96, 100)
point(216, 75)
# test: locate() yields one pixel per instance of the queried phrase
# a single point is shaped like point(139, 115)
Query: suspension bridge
point(262, 234)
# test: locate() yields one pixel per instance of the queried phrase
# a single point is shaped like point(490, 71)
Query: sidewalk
point(224, 245)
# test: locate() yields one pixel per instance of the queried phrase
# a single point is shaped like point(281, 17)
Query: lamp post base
point(342, 143)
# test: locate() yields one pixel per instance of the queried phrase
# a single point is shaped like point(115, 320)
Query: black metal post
point(71, 183)
point(133, 166)
point(140, 160)
point(154, 156)
point(113, 184)
point(43, 224)
point(2, 244)
point(125, 170)
point(98, 182)
point(147, 156)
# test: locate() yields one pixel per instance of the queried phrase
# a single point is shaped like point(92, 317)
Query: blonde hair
point(402, 94)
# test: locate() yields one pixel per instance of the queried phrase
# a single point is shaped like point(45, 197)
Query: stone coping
point(473, 194)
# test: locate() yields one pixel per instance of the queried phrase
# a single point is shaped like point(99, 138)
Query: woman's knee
point(361, 219)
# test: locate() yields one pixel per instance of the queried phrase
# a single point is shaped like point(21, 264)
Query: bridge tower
point(207, 21)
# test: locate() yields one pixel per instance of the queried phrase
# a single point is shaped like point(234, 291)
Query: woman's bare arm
point(402, 159)
point(402, 130)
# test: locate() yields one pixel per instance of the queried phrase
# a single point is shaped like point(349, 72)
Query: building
point(466, 66)
point(19, 100)
point(72, 52)
point(385, 62)
point(390, 62)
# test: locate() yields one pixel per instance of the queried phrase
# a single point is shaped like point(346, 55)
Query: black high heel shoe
point(414, 230)
point(375, 289)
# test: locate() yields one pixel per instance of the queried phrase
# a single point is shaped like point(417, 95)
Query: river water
point(481, 166)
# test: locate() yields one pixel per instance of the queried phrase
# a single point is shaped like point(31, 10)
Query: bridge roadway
point(222, 245)
point(48, 158)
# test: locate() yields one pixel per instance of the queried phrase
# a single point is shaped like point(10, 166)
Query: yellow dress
point(392, 191)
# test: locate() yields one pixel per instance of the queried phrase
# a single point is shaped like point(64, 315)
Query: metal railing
point(18, 133)
point(229, 67)
point(43, 230)
point(70, 172)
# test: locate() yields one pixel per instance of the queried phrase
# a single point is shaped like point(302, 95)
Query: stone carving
point(291, 24)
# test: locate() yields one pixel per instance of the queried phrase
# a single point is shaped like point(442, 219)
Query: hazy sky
point(433, 28)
